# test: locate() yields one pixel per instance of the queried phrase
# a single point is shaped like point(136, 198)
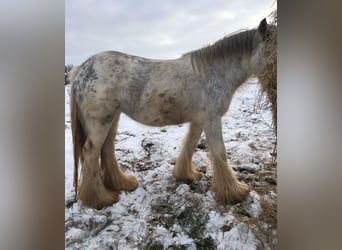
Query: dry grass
point(264, 182)
point(265, 225)
point(268, 75)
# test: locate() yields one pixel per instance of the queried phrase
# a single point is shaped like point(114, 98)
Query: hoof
point(130, 183)
point(98, 200)
point(123, 183)
point(192, 175)
point(232, 194)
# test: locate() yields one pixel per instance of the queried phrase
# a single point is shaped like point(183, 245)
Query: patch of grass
point(194, 226)
point(159, 246)
point(205, 243)
point(164, 215)
point(154, 246)
point(191, 220)
point(162, 208)
point(180, 247)
point(191, 223)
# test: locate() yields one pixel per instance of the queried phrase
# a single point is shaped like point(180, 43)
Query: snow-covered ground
point(165, 214)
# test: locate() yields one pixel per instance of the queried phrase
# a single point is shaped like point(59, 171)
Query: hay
point(268, 75)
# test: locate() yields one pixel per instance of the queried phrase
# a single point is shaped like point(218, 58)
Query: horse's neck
point(236, 72)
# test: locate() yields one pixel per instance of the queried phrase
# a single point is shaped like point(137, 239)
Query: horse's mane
point(235, 44)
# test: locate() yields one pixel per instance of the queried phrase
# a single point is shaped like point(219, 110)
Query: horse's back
point(153, 92)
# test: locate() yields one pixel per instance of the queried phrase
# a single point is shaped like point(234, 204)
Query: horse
point(195, 88)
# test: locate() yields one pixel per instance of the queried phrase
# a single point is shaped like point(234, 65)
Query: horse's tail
point(78, 133)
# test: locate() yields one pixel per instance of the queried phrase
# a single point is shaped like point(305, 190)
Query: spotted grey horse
point(196, 88)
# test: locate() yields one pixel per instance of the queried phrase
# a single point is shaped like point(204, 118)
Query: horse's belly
point(163, 105)
point(160, 116)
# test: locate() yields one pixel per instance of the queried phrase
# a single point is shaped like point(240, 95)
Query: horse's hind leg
point(227, 188)
point(113, 177)
point(92, 191)
point(183, 169)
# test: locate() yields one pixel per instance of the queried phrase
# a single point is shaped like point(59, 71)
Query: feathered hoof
point(232, 194)
point(121, 183)
point(129, 183)
point(98, 197)
point(192, 175)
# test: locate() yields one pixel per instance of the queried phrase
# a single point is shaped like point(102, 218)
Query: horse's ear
point(263, 28)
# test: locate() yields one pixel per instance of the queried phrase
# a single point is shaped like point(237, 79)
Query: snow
point(162, 212)
point(254, 209)
point(239, 237)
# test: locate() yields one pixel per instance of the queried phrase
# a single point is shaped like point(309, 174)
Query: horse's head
point(261, 36)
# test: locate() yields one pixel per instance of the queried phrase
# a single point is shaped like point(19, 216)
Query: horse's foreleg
point(113, 177)
point(92, 191)
point(227, 188)
point(183, 169)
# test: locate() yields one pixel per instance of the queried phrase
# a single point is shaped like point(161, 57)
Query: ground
point(165, 214)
